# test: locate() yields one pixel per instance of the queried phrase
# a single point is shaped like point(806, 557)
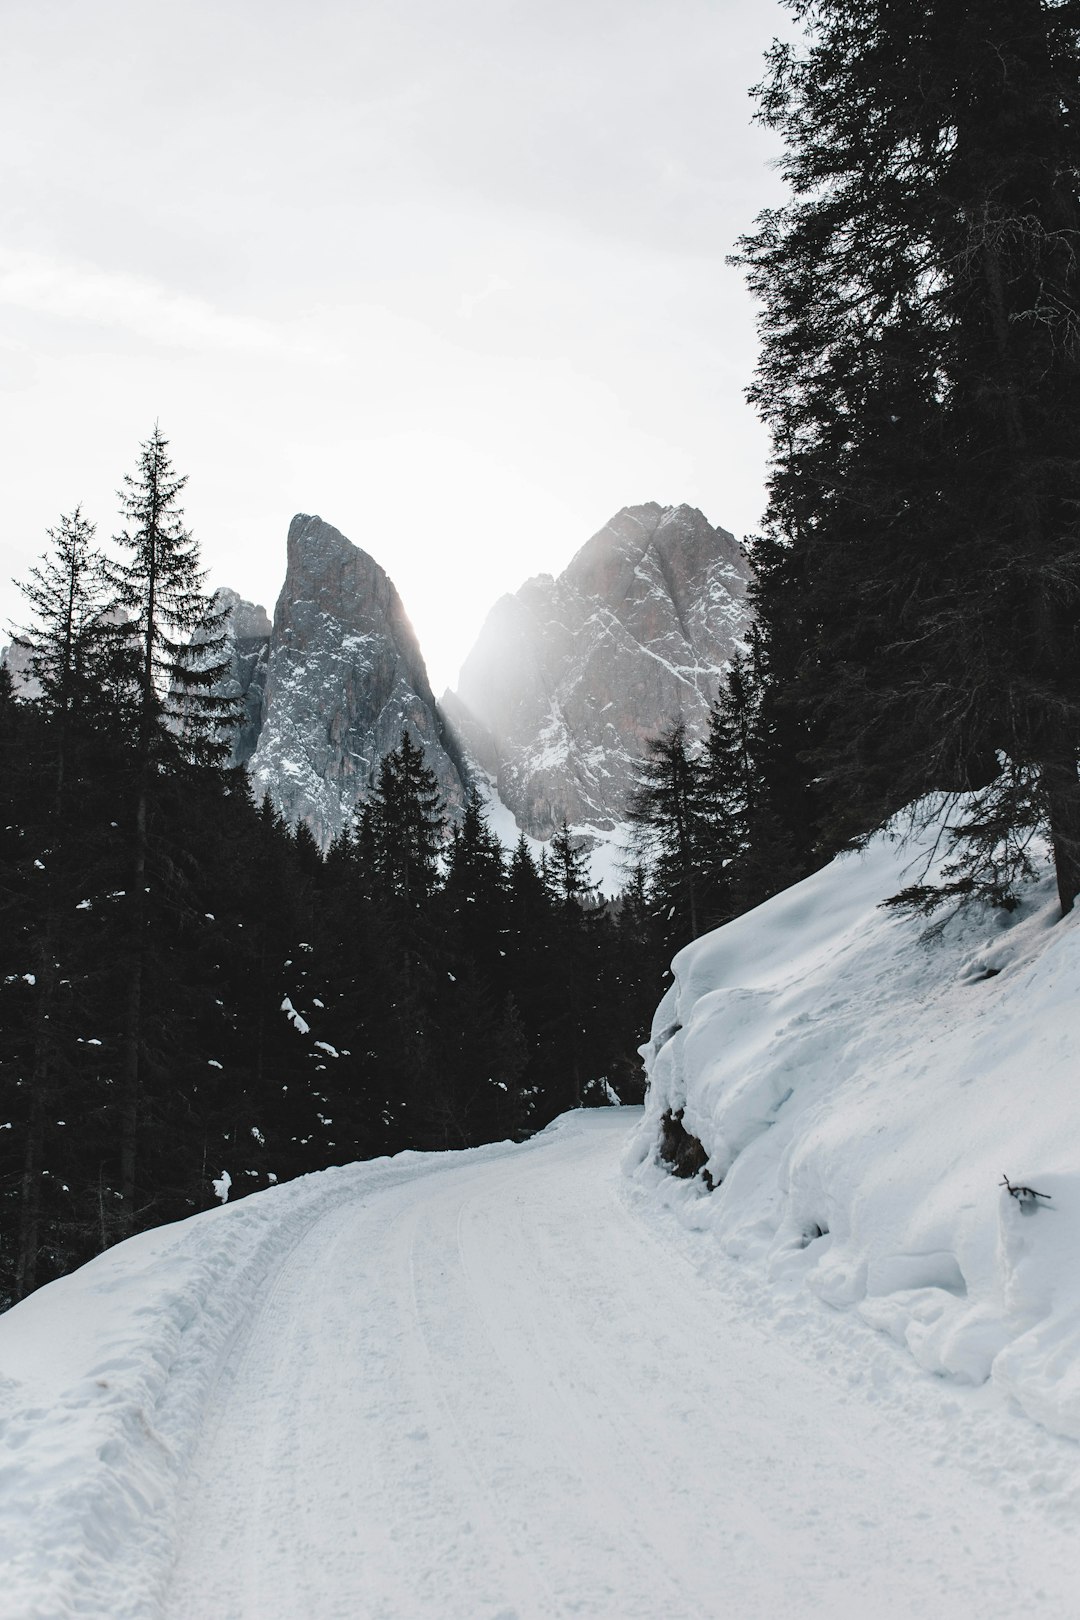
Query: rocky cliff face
point(571, 676)
point(568, 680)
point(340, 678)
point(247, 629)
point(16, 660)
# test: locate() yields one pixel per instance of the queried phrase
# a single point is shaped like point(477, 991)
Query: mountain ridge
point(571, 674)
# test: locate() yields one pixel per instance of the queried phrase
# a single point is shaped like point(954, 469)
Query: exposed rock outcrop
point(249, 630)
point(343, 677)
point(16, 660)
point(571, 676)
point(568, 680)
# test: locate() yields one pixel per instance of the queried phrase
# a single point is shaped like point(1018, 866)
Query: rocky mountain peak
point(344, 677)
point(248, 621)
point(247, 631)
point(327, 576)
point(16, 660)
point(570, 676)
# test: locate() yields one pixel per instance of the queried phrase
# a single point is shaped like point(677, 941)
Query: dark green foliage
point(671, 814)
point(70, 640)
point(173, 631)
point(407, 824)
point(295, 1011)
point(918, 583)
point(720, 826)
point(172, 649)
point(567, 868)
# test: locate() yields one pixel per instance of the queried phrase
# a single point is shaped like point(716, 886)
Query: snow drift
point(861, 1082)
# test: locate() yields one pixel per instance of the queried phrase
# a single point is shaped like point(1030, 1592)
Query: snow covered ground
point(862, 1083)
point(608, 848)
point(507, 1384)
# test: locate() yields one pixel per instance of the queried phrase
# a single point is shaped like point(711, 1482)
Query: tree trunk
point(41, 1079)
point(29, 1243)
point(132, 1045)
point(129, 1090)
point(1061, 791)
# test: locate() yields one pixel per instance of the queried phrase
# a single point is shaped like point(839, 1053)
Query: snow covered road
point(492, 1391)
point(506, 1385)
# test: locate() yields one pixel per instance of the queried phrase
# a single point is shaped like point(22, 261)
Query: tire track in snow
point(249, 1421)
point(431, 1339)
point(548, 1380)
point(492, 1394)
point(243, 1362)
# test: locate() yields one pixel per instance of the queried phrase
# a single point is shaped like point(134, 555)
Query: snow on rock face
point(861, 1084)
point(571, 676)
point(344, 676)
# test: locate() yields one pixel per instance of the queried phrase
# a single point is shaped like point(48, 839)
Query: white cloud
point(469, 302)
point(83, 292)
point(450, 275)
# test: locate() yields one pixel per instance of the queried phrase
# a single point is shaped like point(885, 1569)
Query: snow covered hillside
point(861, 1082)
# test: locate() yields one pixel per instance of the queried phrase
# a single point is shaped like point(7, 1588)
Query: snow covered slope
point(861, 1083)
point(608, 851)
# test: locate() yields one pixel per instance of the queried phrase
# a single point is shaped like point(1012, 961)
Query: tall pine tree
point(176, 722)
point(919, 580)
point(670, 817)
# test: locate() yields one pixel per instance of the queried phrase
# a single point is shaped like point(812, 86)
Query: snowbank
point(861, 1083)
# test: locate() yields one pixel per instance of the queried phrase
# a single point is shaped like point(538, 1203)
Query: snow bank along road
point(499, 1385)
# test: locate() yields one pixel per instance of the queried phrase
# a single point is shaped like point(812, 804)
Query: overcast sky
point(448, 272)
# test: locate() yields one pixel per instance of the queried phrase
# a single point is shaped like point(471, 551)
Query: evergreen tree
point(70, 638)
point(919, 580)
point(762, 820)
point(671, 819)
point(533, 981)
point(407, 824)
point(484, 1048)
point(636, 967)
point(474, 895)
point(731, 773)
point(568, 868)
point(574, 950)
point(177, 720)
point(528, 891)
point(72, 646)
point(175, 631)
point(408, 818)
